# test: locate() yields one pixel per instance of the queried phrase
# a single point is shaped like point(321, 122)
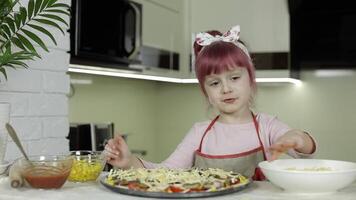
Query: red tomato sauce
point(47, 179)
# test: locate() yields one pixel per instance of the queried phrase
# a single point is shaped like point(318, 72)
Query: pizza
point(175, 180)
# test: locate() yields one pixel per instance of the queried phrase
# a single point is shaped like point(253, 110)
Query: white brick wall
point(39, 105)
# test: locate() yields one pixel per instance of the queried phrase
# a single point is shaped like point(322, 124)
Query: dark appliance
point(89, 136)
point(106, 33)
point(323, 34)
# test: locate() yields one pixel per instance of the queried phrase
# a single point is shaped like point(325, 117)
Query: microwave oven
point(105, 33)
point(322, 35)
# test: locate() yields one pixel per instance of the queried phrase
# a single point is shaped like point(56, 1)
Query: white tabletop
point(95, 191)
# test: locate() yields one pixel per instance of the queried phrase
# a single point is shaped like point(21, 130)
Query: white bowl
point(309, 175)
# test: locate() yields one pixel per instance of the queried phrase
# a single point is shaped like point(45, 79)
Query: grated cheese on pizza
point(175, 180)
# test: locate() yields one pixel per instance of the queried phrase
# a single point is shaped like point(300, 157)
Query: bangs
point(219, 57)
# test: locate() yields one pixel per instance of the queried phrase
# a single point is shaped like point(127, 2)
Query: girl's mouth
point(230, 100)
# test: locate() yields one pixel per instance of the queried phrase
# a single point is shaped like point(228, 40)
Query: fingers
point(113, 147)
point(119, 138)
point(115, 143)
point(278, 149)
point(275, 155)
point(283, 146)
point(109, 151)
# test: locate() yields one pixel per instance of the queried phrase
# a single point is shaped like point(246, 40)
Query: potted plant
point(20, 27)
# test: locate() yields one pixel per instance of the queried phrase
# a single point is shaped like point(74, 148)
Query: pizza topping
point(175, 180)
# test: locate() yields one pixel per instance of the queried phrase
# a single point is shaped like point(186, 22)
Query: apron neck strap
point(258, 134)
point(206, 131)
point(256, 127)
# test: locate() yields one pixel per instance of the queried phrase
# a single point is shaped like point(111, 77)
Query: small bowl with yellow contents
point(87, 166)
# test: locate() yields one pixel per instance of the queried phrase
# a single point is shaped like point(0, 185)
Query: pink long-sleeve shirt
point(224, 139)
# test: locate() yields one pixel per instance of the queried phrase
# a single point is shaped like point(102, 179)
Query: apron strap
point(256, 127)
point(258, 135)
point(206, 131)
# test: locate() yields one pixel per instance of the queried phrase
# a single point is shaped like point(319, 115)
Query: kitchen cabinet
point(264, 29)
point(170, 25)
point(162, 22)
point(264, 24)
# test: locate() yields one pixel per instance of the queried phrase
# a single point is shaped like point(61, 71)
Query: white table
point(95, 191)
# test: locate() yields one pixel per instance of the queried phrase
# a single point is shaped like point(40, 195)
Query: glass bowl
point(45, 171)
point(87, 166)
point(309, 175)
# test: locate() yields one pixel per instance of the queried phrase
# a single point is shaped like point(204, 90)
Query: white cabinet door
point(161, 24)
point(264, 23)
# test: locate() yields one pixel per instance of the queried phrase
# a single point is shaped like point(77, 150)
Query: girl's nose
point(226, 88)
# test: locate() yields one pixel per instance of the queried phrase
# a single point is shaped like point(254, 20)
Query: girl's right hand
point(117, 153)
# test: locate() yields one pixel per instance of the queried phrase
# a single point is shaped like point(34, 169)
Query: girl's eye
point(214, 83)
point(235, 77)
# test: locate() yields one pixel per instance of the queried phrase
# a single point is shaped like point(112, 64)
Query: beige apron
point(245, 163)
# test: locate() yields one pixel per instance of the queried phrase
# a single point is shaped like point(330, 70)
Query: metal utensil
point(14, 137)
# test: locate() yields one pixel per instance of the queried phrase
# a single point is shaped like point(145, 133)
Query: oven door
point(89, 136)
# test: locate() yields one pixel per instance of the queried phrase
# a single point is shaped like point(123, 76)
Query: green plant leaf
point(10, 22)
point(37, 6)
point(3, 58)
point(45, 21)
point(3, 71)
point(23, 12)
point(10, 65)
point(44, 4)
point(35, 38)
point(8, 51)
point(20, 63)
point(6, 31)
point(8, 46)
point(57, 11)
point(18, 43)
point(24, 58)
point(23, 55)
point(55, 17)
point(5, 37)
point(51, 2)
point(62, 5)
point(43, 30)
point(27, 44)
point(13, 31)
point(15, 59)
point(18, 19)
point(30, 7)
point(6, 8)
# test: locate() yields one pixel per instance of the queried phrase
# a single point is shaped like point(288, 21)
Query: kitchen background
point(157, 115)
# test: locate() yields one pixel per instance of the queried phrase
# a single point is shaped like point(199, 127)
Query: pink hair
point(218, 57)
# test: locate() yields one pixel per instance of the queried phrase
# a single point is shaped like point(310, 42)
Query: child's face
point(230, 91)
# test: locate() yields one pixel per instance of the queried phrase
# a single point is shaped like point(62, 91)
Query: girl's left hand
point(293, 139)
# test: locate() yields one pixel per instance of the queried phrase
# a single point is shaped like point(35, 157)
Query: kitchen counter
point(94, 191)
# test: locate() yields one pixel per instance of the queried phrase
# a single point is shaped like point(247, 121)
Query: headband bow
point(204, 39)
point(233, 35)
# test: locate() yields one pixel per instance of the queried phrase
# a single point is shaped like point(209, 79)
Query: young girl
point(237, 139)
